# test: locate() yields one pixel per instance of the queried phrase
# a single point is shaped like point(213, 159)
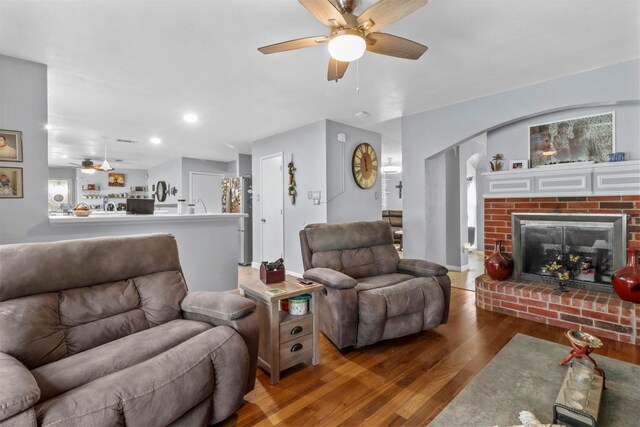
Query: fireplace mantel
point(571, 179)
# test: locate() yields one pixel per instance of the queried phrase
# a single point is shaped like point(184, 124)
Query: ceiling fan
point(351, 35)
point(87, 166)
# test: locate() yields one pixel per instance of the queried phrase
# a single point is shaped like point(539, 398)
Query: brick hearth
point(601, 314)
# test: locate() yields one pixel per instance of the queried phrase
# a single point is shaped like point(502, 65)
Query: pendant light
point(389, 169)
point(105, 165)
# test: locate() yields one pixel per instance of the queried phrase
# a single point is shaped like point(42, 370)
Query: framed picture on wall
point(582, 139)
point(11, 183)
point(116, 179)
point(518, 164)
point(10, 146)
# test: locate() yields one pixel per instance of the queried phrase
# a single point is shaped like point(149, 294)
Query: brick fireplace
point(602, 314)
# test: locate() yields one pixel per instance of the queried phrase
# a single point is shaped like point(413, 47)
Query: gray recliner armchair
point(370, 293)
point(99, 332)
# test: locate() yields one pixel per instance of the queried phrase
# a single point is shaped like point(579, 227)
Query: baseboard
point(294, 274)
point(458, 268)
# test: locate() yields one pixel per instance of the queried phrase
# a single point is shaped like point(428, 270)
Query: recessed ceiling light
point(48, 127)
point(65, 156)
point(190, 118)
point(362, 114)
point(155, 140)
point(233, 147)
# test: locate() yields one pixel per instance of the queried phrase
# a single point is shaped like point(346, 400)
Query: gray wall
point(243, 165)
point(23, 107)
point(512, 140)
point(435, 197)
point(346, 201)
point(321, 165)
point(197, 165)
point(307, 145)
point(431, 132)
point(171, 173)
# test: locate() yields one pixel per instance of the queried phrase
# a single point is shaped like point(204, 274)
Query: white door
point(206, 187)
point(271, 207)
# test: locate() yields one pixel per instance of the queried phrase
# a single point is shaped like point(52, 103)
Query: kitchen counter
point(121, 218)
point(208, 243)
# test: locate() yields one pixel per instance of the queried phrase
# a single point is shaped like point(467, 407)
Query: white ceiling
point(131, 69)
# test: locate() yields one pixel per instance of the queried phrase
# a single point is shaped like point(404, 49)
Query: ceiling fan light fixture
point(347, 45)
point(90, 171)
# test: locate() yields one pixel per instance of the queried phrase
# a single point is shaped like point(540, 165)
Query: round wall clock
point(364, 165)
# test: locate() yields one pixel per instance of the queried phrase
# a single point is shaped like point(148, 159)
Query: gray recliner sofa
point(102, 332)
point(370, 293)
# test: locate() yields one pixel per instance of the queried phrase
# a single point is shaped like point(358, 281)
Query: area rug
point(525, 375)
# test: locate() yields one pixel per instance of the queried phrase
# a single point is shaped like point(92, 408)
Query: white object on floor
point(529, 420)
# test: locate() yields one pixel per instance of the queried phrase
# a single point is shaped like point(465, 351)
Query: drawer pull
point(296, 347)
point(296, 330)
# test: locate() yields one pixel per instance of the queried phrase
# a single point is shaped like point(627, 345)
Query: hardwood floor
point(406, 381)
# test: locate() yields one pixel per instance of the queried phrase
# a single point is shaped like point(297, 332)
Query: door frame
point(191, 173)
point(269, 156)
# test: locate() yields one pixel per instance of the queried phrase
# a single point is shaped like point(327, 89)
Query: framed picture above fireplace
point(580, 139)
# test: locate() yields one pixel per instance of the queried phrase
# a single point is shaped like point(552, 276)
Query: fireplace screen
point(597, 241)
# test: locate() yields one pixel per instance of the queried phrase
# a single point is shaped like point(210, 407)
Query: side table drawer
point(296, 328)
point(296, 351)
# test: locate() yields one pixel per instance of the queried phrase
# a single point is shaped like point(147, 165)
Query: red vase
point(499, 265)
point(626, 281)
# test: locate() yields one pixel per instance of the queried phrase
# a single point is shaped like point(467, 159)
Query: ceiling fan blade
point(387, 44)
point(336, 69)
point(293, 44)
point(386, 12)
point(325, 12)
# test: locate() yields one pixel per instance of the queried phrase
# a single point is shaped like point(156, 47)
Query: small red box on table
point(272, 276)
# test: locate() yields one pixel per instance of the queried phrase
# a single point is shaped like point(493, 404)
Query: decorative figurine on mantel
point(496, 164)
point(562, 267)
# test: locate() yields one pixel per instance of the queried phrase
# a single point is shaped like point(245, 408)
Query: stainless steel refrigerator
point(236, 198)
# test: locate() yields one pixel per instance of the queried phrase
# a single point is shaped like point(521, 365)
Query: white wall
point(346, 202)
point(23, 107)
point(307, 144)
point(425, 134)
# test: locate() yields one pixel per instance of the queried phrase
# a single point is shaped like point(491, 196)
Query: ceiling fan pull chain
point(357, 77)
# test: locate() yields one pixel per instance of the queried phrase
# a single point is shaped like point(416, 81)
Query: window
point(59, 193)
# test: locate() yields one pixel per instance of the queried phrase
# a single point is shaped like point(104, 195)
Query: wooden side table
point(285, 339)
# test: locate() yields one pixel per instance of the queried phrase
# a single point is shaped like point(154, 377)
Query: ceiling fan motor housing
point(347, 6)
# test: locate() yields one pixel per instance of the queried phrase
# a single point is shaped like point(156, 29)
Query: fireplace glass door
point(595, 243)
